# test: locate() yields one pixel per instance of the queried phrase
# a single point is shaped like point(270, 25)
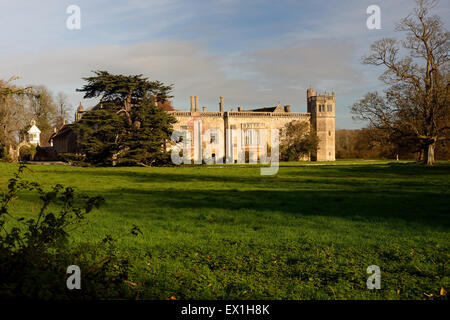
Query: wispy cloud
point(253, 52)
point(262, 77)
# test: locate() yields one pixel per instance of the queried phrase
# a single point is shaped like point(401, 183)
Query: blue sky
point(253, 52)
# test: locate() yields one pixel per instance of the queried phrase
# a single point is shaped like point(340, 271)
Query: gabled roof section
point(277, 108)
point(64, 130)
point(34, 129)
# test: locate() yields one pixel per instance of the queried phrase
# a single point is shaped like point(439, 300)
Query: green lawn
point(309, 232)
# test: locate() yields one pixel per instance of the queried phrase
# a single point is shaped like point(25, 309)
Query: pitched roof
point(277, 108)
point(34, 129)
point(265, 109)
point(64, 130)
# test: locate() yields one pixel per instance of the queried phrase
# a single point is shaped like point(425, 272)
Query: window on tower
point(330, 108)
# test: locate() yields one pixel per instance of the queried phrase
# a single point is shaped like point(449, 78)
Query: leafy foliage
point(35, 253)
point(298, 141)
point(7, 90)
point(128, 128)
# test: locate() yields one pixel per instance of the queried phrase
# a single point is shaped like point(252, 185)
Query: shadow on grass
point(427, 209)
point(374, 192)
point(251, 176)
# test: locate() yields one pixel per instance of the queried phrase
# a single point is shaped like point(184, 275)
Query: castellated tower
point(322, 110)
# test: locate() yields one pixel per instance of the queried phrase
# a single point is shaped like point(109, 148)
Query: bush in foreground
point(35, 253)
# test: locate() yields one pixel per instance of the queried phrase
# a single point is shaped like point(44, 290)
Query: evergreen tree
point(127, 128)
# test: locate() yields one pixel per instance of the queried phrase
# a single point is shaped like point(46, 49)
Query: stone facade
point(322, 110)
point(320, 116)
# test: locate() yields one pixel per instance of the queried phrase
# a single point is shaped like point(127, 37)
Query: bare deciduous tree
point(13, 111)
point(43, 107)
point(417, 101)
point(19, 105)
point(63, 108)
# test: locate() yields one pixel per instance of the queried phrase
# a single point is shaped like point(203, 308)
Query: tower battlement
point(322, 109)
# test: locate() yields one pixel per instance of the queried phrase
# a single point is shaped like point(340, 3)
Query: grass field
point(310, 232)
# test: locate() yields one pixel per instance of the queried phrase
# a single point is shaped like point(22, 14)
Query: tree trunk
point(429, 154)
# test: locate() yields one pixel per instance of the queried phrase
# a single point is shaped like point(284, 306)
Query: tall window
point(330, 108)
point(213, 138)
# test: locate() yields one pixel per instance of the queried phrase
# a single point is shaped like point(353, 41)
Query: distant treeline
point(366, 144)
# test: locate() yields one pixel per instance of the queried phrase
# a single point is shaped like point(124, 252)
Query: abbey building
point(320, 115)
point(217, 127)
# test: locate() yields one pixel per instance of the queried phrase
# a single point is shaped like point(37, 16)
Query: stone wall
point(248, 121)
point(322, 108)
point(320, 115)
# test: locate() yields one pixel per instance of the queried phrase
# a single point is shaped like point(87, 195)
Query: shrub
point(74, 159)
point(36, 252)
point(25, 153)
point(45, 154)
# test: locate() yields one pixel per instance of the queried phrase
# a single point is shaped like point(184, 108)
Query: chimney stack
point(221, 104)
point(287, 108)
point(196, 103)
point(192, 103)
point(204, 109)
point(239, 109)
